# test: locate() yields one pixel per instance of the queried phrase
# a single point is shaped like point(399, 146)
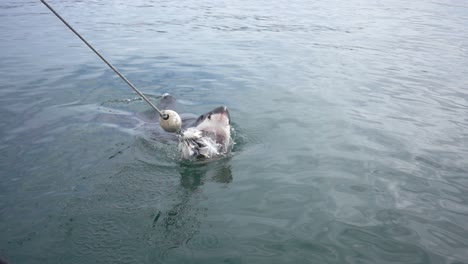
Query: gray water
point(350, 117)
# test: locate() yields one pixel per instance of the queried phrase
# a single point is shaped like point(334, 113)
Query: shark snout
point(222, 111)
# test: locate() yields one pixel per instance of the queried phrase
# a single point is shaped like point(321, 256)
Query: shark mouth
point(209, 137)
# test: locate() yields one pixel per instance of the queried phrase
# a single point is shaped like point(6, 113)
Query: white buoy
point(173, 123)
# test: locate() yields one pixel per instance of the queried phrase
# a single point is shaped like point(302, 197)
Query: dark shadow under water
point(183, 220)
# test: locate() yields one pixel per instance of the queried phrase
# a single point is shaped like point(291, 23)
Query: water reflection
point(181, 222)
point(194, 175)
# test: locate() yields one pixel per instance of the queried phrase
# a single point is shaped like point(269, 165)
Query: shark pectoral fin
point(167, 102)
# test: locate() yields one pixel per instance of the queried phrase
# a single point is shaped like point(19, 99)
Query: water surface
point(351, 122)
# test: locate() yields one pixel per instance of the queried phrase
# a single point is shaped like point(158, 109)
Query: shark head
point(209, 136)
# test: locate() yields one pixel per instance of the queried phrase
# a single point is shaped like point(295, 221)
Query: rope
point(164, 116)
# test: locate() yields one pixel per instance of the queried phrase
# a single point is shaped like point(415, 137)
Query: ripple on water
point(445, 238)
point(257, 247)
point(394, 224)
point(368, 245)
point(454, 207)
point(104, 238)
point(313, 251)
point(209, 241)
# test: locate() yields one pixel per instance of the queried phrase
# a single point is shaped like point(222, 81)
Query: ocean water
point(350, 118)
